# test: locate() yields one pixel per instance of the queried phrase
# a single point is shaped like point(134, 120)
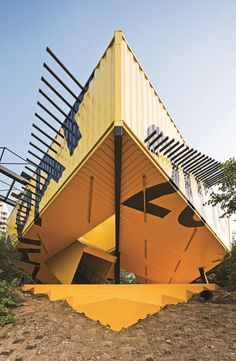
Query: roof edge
point(152, 86)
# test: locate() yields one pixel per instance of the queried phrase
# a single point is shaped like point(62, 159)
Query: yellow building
point(119, 188)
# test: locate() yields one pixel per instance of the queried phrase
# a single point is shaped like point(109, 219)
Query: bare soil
point(196, 331)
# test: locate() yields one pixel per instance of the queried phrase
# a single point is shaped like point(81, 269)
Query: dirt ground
point(196, 331)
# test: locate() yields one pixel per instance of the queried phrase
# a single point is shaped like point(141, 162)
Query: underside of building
point(119, 188)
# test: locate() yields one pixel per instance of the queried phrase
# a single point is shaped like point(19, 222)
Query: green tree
point(225, 195)
point(127, 277)
point(9, 260)
point(11, 277)
point(225, 273)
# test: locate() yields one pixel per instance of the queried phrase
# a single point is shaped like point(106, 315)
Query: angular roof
point(166, 234)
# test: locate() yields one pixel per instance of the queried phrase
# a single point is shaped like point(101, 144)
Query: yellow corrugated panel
point(94, 269)
point(64, 264)
point(142, 112)
point(175, 251)
point(119, 306)
point(102, 236)
point(96, 114)
point(78, 208)
point(167, 241)
point(141, 106)
point(156, 248)
point(94, 264)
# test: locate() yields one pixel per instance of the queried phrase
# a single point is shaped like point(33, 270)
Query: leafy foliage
point(225, 196)
point(11, 277)
point(8, 300)
point(10, 262)
point(127, 277)
point(225, 273)
point(226, 193)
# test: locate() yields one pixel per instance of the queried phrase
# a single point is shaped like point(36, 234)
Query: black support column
point(118, 133)
point(203, 275)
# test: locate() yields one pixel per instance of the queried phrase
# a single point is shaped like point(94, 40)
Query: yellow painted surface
point(119, 306)
point(143, 111)
point(97, 252)
point(95, 116)
point(102, 236)
point(82, 206)
point(66, 219)
point(117, 74)
point(141, 105)
point(64, 264)
point(168, 242)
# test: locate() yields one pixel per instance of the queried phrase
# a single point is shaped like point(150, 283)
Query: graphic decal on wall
point(25, 202)
point(53, 168)
point(71, 131)
point(160, 190)
point(54, 171)
point(24, 254)
point(154, 192)
point(186, 218)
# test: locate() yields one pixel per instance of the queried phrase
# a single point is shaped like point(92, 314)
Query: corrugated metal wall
point(64, 264)
point(94, 269)
point(119, 74)
point(102, 236)
point(143, 111)
point(141, 106)
point(162, 239)
point(94, 117)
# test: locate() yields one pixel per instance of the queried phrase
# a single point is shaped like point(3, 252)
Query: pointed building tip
point(118, 33)
point(118, 36)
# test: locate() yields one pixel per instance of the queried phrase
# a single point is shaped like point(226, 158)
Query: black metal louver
point(45, 144)
point(202, 167)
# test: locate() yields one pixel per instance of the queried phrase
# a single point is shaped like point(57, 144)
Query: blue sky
point(187, 49)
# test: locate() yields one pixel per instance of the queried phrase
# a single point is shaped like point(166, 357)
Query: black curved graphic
point(186, 218)
point(136, 201)
point(154, 192)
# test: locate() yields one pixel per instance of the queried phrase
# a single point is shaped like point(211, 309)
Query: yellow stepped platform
point(119, 306)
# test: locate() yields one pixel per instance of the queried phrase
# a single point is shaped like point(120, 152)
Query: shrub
point(127, 277)
point(11, 277)
point(8, 300)
point(225, 273)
